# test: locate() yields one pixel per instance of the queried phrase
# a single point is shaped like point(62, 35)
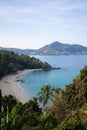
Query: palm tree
point(15, 120)
point(21, 116)
point(45, 94)
point(9, 101)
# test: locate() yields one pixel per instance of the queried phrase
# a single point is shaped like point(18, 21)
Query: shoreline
point(9, 85)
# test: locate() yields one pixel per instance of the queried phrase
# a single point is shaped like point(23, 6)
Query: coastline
point(9, 85)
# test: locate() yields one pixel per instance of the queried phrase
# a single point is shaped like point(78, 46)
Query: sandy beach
point(9, 85)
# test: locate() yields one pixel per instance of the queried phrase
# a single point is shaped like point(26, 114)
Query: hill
point(11, 63)
point(55, 48)
point(19, 51)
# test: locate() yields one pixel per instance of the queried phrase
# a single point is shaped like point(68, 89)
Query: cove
point(71, 66)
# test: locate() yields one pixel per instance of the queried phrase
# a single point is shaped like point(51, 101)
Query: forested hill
point(11, 63)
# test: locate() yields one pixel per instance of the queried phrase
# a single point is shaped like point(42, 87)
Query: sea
point(70, 68)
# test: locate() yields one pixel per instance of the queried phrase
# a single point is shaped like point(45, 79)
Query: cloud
point(40, 12)
point(85, 27)
point(18, 15)
point(66, 5)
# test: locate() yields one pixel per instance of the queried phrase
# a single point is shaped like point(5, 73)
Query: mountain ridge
point(55, 48)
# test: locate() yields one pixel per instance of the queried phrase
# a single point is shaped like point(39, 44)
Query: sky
point(31, 24)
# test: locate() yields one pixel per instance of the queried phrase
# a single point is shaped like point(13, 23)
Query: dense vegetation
point(67, 109)
point(11, 63)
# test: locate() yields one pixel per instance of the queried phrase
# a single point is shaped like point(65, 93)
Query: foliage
point(21, 116)
point(46, 66)
point(32, 107)
point(73, 97)
point(45, 94)
point(83, 73)
point(11, 63)
point(9, 101)
point(58, 108)
point(72, 123)
point(48, 122)
point(76, 92)
point(67, 111)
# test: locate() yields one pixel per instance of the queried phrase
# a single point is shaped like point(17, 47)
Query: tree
point(47, 122)
point(45, 94)
point(58, 107)
point(11, 63)
point(22, 116)
point(83, 72)
point(9, 101)
point(73, 122)
point(32, 106)
point(46, 66)
point(14, 120)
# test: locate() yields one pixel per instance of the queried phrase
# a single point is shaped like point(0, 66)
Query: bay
point(70, 64)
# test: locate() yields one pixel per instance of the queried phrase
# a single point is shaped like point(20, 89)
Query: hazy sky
point(35, 23)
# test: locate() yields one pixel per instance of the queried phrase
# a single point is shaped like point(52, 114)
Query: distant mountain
point(20, 51)
point(55, 48)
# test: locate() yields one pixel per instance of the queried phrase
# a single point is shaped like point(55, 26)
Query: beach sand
point(9, 85)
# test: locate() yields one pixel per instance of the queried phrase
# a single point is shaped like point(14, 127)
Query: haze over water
point(70, 64)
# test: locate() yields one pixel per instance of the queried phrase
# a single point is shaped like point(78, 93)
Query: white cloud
point(66, 5)
point(27, 15)
point(53, 9)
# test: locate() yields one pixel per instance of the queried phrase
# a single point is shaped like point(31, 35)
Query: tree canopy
point(11, 63)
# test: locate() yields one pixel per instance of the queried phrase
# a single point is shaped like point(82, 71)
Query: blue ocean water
point(71, 66)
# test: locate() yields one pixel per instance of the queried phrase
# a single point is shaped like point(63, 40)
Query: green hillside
point(11, 62)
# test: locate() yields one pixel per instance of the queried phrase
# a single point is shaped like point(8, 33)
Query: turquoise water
point(71, 66)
